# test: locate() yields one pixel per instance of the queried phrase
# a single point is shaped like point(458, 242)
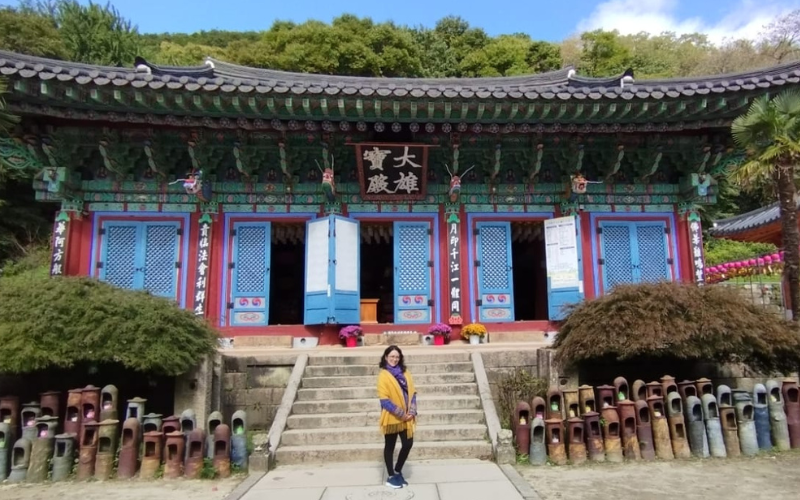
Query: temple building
point(275, 203)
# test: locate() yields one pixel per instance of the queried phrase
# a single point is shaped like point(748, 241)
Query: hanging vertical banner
point(696, 241)
point(454, 269)
point(203, 259)
point(59, 246)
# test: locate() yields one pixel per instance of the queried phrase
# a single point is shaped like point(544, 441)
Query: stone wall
point(255, 386)
point(501, 363)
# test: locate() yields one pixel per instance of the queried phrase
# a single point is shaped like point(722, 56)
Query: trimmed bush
point(61, 322)
point(678, 321)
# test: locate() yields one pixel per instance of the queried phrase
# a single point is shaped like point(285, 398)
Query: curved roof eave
point(561, 84)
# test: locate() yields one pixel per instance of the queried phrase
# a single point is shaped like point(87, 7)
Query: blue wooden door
point(495, 281)
point(120, 259)
point(141, 256)
point(250, 264)
point(413, 264)
point(316, 306)
point(653, 263)
point(346, 283)
point(564, 266)
point(333, 271)
point(161, 258)
point(633, 252)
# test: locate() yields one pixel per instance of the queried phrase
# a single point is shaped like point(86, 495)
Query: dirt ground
point(177, 489)
point(773, 476)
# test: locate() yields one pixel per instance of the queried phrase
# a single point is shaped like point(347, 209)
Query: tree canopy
point(678, 321)
point(352, 45)
point(61, 322)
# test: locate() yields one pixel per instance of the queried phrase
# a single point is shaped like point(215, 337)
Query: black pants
point(388, 451)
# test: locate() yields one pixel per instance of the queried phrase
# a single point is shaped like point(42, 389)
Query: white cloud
point(740, 19)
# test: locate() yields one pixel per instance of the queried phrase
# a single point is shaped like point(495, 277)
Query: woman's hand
point(409, 417)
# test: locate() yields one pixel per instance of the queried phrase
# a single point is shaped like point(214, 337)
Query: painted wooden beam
point(514, 111)
point(288, 104)
point(578, 111)
point(531, 111)
point(481, 110)
point(323, 107)
point(562, 110)
point(252, 104)
point(612, 108)
point(306, 103)
point(340, 104)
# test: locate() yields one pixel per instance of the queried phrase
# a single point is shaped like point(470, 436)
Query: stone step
point(371, 434)
point(370, 418)
point(424, 404)
point(430, 450)
point(367, 392)
point(371, 380)
point(372, 369)
point(369, 359)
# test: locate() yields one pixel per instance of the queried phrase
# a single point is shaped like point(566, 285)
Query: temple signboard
point(392, 172)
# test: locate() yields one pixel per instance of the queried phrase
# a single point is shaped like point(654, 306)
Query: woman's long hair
point(401, 363)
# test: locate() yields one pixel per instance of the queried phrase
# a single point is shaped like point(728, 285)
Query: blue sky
point(542, 19)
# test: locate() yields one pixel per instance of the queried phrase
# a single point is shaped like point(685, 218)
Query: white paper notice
point(561, 252)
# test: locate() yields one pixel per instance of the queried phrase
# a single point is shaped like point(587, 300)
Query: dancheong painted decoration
point(288, 203)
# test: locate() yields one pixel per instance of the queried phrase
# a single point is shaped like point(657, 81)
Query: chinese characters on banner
point(203, 246)
point(696, 240)
point(392, 172)
point(454, 269)
point(59, 251)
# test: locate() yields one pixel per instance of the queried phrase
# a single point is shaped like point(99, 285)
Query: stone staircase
point(335, 415)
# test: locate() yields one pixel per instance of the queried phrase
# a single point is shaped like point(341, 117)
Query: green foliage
point(96, 34)
point(514, 387)
point(604, 53)
point(208, 471)
point(720, 250)
point(59, 322)
point(30, 33)
point(678, 321)
point(24, 223)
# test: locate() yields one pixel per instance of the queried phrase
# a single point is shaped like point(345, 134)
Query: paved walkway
point(428, 480)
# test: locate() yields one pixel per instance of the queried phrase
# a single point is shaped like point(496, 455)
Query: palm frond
point(788, 103)
point(752, 174)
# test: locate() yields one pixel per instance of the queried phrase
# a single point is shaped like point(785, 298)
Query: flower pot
point(351, 341)
point(474, 339)
point(438, 340)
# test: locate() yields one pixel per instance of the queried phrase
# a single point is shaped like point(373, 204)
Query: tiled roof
point(750, 220)
point(217, 75)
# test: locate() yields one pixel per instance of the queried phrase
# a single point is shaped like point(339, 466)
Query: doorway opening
point(377, 268)
point(529, 269)
point(287, 274)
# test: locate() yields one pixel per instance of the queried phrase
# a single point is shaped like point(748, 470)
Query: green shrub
point(719, 251)
point(678, 321)
point(59, 322)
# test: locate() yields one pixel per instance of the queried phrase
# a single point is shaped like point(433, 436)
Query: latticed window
point(141, 256)
point(634, 252)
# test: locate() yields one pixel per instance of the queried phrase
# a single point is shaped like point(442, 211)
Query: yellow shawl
point(389, 388)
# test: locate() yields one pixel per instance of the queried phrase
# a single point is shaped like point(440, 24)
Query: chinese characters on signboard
point(696, 239)
point(59, 251)
point(392, 172)
point(454, 269)
point(203, 246)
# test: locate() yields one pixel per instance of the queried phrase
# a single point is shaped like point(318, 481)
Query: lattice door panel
point(413, 244)
point(495, 264)
point(160, 260)
point(412, 262)
point(119, 262)
point(652, 249)
point(618, 265)
point(495, 281)
point(251, 266)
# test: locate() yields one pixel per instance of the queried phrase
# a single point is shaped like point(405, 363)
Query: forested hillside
point(350, 45)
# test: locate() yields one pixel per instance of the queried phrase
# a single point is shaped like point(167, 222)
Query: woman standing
point(398, 412)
